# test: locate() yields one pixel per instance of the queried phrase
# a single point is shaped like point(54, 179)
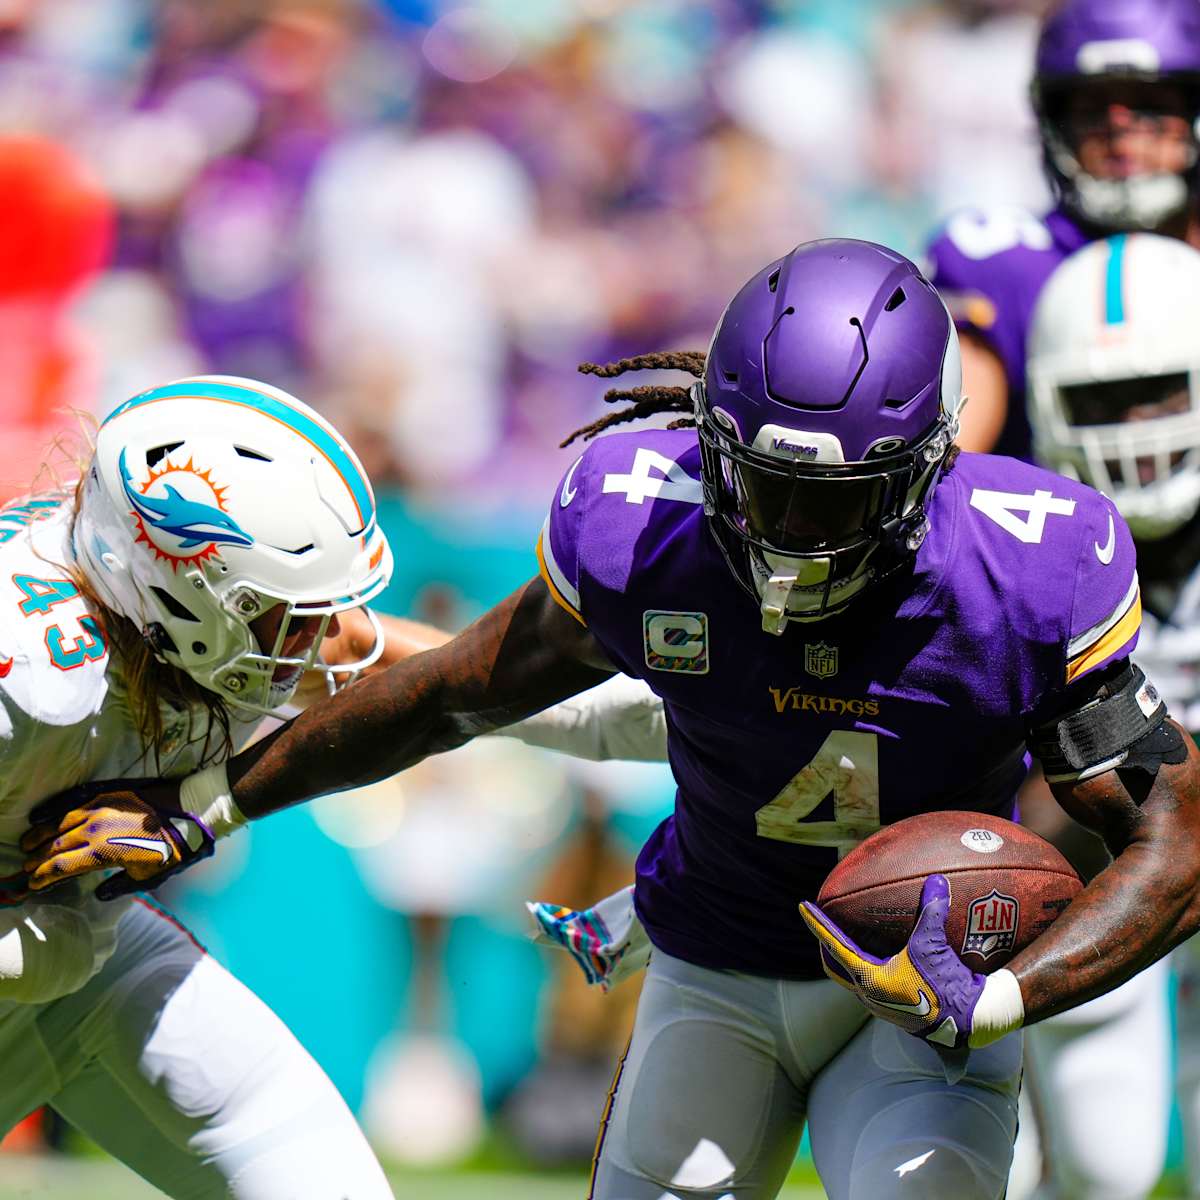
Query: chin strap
point(775, 595)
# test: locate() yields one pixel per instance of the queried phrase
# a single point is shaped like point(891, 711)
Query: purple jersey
point(989, 267)
point(788, 750)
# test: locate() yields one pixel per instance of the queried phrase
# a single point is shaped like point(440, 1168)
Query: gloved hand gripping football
point(134, 824)
point(926, 989)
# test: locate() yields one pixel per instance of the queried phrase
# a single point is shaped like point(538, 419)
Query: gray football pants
point(724, 1069)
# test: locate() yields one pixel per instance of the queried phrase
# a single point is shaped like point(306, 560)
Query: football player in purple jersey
point(848, 622)
point(1116, 90)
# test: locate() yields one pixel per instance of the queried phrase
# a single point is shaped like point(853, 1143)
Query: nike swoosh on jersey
point(917, 1010)
point(1105, 553)
point(568, 492)
point(142, 844)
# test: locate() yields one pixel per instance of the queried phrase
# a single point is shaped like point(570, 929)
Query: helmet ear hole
point(160, 640)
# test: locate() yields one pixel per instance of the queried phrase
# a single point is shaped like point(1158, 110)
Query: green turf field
point(59, 1178)
point(92, 1178)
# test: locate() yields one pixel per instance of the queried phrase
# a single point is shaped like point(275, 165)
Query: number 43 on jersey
point(40, 596)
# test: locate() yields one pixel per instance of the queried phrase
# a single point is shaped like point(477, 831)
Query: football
point(1007, 885)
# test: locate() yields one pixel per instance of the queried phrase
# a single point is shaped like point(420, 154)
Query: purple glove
point(926, 989)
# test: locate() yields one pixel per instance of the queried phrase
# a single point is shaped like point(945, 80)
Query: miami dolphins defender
point(848, 621)
point(1114, 375)
point(1116, 91)
point(217, 551)
point(149, 618)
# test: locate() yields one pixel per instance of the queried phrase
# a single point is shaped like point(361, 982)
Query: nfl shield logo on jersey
point(991, 924)
point(820, 659)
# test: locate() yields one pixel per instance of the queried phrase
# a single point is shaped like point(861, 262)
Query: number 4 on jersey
point(41, 595)
point(673, 484)
point(845, 766)
point(1003, 507)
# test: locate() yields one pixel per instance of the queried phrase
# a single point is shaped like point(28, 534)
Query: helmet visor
point(803, 507)
point(806, 514)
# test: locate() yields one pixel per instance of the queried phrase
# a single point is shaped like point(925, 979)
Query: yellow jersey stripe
point(555, 594)
point(1109, 642)
point(1080, 642)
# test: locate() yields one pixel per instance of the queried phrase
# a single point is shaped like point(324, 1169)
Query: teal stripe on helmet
point(1114, 300)
point(295, 420)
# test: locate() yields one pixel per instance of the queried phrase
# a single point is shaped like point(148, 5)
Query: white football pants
point(723, 1070)
point(182, 1073)
point(1099, 1078)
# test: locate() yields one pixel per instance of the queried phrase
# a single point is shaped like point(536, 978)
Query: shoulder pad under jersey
point(604, 503)
point(1054, 555)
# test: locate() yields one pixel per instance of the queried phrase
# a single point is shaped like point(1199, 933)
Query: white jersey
point(64, 716)
point(1169, 651)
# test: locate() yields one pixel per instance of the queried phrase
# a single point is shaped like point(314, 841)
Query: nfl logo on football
point(820, 659)
point(991, 924)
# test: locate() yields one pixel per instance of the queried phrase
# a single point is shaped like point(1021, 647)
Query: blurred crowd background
point(419, 216)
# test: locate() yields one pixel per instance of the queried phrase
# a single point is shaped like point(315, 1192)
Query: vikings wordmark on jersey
point(790, 750)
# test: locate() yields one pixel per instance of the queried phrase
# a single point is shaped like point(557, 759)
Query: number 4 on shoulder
point(673, 482)
point(1004, 508)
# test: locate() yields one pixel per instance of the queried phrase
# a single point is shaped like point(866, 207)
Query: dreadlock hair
point(648, 399)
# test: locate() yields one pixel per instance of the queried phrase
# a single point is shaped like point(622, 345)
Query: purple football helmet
point(1084, 43)
point(829, 404)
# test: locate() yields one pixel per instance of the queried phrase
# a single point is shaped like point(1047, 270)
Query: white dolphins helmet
point(1113, 365)
point(211, 501)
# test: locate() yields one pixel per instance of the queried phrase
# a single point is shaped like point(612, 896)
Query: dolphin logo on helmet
point(193, 522)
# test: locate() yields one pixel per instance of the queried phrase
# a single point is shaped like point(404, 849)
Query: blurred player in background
point(886, 625)
point(1114, 381)
point(1116, 90)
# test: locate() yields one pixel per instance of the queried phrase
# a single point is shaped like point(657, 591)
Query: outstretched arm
point(620, 719)
point(517, 659)
point(525, 654)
